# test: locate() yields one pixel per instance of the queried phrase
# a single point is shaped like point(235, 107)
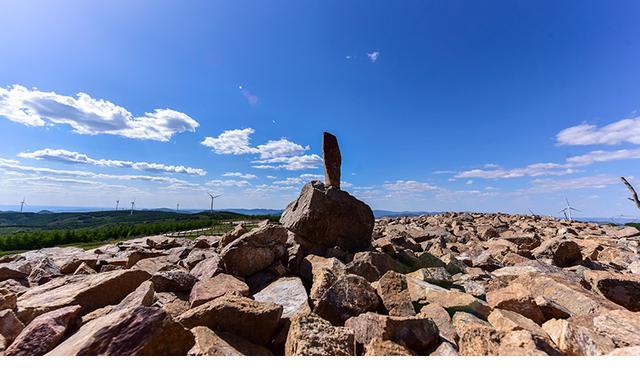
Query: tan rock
point(516, 298)
point(379, 347)
point(623, 289)
point(232, 235)
point(253, 320)
point(572, 339)
point(210, 343)
point(206, 290)
point(254, 251)
point(310, 335)
point(395, 296)
point(442, 319)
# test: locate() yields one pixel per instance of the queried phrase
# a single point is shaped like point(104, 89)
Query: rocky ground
point(448, 284)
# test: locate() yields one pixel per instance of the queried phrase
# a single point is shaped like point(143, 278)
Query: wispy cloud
point(533, 170)
point(61, 155)
point(240, 175)
point(234, 141)
point(373, 56)
point(307, 161)
point(626, 130)
point(228, 183)
point(603, 156)
point(89, 116)
point(548, 185)
point(12, 165)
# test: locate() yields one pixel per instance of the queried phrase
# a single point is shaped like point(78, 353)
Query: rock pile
point(330, 281)
point(447, 284)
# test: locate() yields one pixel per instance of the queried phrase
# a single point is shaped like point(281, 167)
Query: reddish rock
point(349, 296)
point(232, 235)
point(44, 332)
point(623, 289)
point(89, 291)
point(395, 296)
point(218, 286)
point(10, 325)
point(332, 160)
point(418, 334)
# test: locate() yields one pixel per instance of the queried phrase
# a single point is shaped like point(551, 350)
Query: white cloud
point(90, 116)
point(603, 156)
point(557, 185)
point(227, 183)
point(274, 154)
point(280, 148)
point(469, 182)
point(66, 156)
point(12, 165)
point(271, 177)
point(626, 130)
point(533, 170)
point(240, 175)
point(373, 56)
point(234, 141)
point(307, 161)
point(409, 186)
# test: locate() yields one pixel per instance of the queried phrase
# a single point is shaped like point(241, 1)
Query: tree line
point(27, 240)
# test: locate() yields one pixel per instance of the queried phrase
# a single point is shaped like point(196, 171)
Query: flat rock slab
point(139, 330)
point(89, 291)
point(288, 292)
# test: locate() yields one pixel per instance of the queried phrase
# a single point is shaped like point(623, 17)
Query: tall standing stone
point(332, 159)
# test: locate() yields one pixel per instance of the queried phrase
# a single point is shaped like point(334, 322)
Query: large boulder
point(310, 335)
point(253, 320)
point(254, 251)
point(134, 330)
point(349, 296)
point(327, 217)
point(419, 334)
point(287, 292)
point(89, 291)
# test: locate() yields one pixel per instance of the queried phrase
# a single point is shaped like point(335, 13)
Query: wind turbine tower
point(212, 198)
point(117, 204)
point(177, 207)
point(22, 204)
point(133, 204)
point(567, 210)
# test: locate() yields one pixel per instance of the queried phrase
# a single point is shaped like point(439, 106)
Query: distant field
point(25, 231)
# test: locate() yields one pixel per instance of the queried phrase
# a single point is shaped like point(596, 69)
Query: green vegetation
point(636, 225)
point(25, 231)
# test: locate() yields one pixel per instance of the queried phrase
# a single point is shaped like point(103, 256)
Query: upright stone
point(332, 159)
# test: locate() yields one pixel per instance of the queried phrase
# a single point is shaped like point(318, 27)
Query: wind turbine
point(133, 204)
point(567, 210)
point(22, 204)
point(177, 207)
point(212, 198)
point(117, 204)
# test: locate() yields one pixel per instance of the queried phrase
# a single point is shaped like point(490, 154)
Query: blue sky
point(438, 105)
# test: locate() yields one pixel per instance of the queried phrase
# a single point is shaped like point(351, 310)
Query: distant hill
point(28, 221)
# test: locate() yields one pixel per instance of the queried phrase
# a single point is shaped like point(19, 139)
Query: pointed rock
point(332, 159)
